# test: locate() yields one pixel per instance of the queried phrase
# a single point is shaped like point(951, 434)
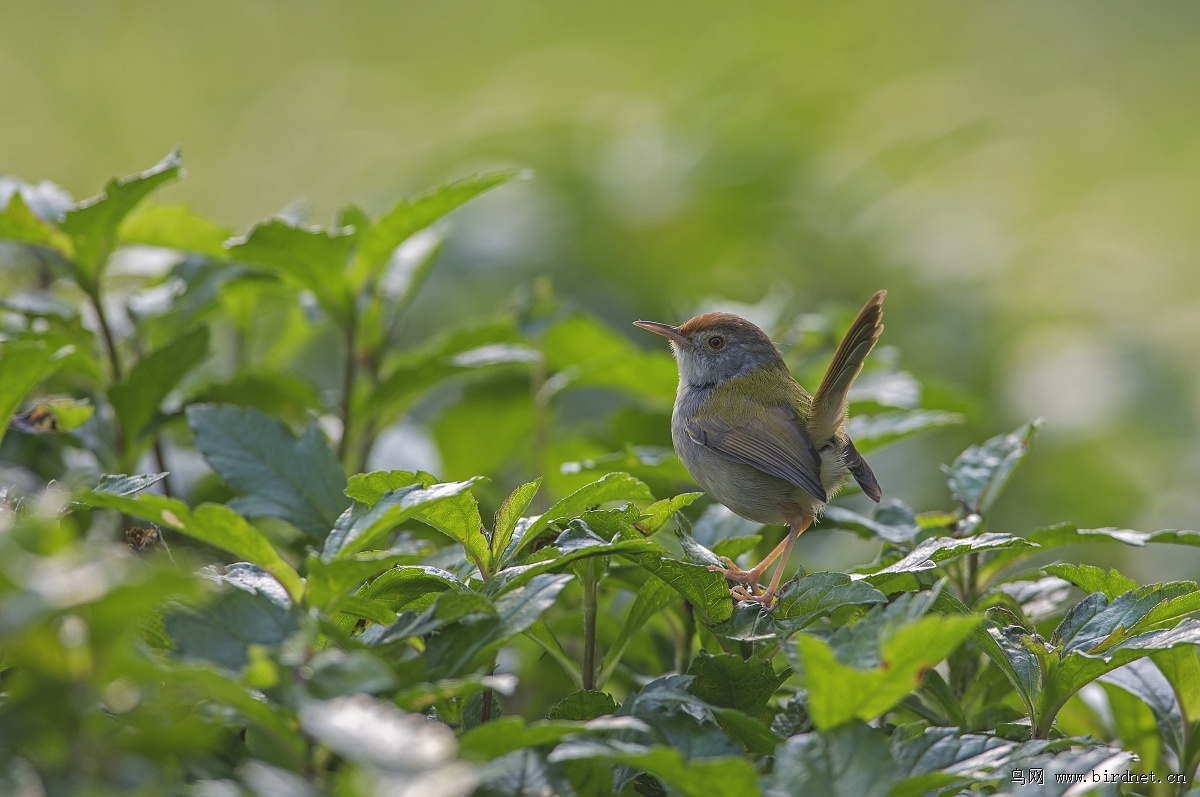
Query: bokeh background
point(1023, 177)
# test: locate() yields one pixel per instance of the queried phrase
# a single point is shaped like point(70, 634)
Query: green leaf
point(1098, 636)
point(1181, 666)
point(362, 527)
point(896, 653)
point(980, 473)
point(721, 776)
point(401, 585)
point(336, 672)
point(328, 582)
point(123, 485)
point(23, 365)
point(509, 513)
point(732, 682)
point(1069, 534)
point(801, 602)
point(936, 551)
point(1142, 679)
point(312, 259)
point(255, 612)
point(873, 432)
point(92, 224)
point(280, 476)
point(379, 241)
point(653, 597)
point(18, 223)
point(576, 543)
point(213, 524)
point(456, 516)
point(660, 513)
point(137, 398)
point(584, 704)
point(175, 227)
point(500, 737)
point(1092, 579)
point(851, 761)
point(454, 652)
point(705, 589)
point(894, 522)
point(612, 487)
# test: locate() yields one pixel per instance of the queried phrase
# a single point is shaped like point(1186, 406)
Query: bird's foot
point(732, 572)
point(743, 595)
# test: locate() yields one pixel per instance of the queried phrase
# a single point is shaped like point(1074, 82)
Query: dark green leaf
point(709, 777)
point(1069, 534)
point(801, 602)
point(612, 487)
point(980, 472)
point(729, 681)
point(851, 761)
point(336, 673)
point(362, 528)
point(894, 522)
point(255, 612)
point(583, 705)
point(703, 588)
point(280, 476)
point(1145, 681)
point(92, 224)
point(935, 551)
point(137, 397)
point(401, 585)
point(873, 432)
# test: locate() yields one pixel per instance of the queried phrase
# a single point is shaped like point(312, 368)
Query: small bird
point(754, 439)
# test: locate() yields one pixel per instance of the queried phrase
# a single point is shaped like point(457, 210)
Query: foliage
point(315, 626)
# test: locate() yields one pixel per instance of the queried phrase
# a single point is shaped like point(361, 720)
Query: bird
point(758, 442)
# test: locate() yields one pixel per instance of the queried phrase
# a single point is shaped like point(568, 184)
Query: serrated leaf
point(705, 589)
point(280, 476)
point(936, 551)
point(175, 227)
point(578, 542)
point(409, 216)
point(733, 682)
point(660, 513)
point(312, 259)
point(1143, 679)
point(1092, 579)
point(1069, 534)
point(894, 522)
point(401, 585)
point(213, 524)
point(255, 612)
point(92, 224)
point(612, 487)
point(456, 516)
point(851, 761)
point(454, 652)
point(873, 432)
point(721, 776)
point(839, 692)
point(18, 223)
point(136, 399)
point(979, 474)
point(23, 365)
point(584, 704)
point(801, 602)
point(509, 514)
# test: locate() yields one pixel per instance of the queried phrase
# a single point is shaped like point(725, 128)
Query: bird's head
point(715, 347)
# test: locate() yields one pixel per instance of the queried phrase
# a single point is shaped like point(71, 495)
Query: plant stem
point(591, 580)
point(161, 462)
point(110, 343)
point(683, 650)
point(349, 372)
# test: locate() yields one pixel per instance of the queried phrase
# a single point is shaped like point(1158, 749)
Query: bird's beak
point(666, 330)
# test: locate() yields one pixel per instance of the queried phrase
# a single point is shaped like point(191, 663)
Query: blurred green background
point(1024, 178)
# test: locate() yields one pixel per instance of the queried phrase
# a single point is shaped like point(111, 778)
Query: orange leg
point(750, 577)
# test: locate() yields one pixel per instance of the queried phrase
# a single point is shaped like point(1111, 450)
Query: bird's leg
point(768, 597)
point(731, 571)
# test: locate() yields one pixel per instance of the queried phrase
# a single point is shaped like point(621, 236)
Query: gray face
point(715, 347)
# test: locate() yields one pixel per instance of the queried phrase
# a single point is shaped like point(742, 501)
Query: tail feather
point(830, 402)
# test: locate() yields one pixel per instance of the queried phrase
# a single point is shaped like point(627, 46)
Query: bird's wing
point(861, 472)
point(776, 444)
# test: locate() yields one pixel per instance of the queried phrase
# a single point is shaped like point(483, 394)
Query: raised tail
point(830, 402)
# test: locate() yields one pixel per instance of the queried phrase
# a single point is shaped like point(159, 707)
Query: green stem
point(591, 578)
point(110, 343)
point(349, 372)
point(683, 650)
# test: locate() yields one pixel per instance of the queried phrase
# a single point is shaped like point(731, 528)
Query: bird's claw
point(742, 595)
point(732, 572)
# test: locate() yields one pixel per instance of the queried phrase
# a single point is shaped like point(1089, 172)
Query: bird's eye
point(716, 343)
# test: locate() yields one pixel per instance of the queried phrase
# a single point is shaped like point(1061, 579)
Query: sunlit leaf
point(979, 474)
